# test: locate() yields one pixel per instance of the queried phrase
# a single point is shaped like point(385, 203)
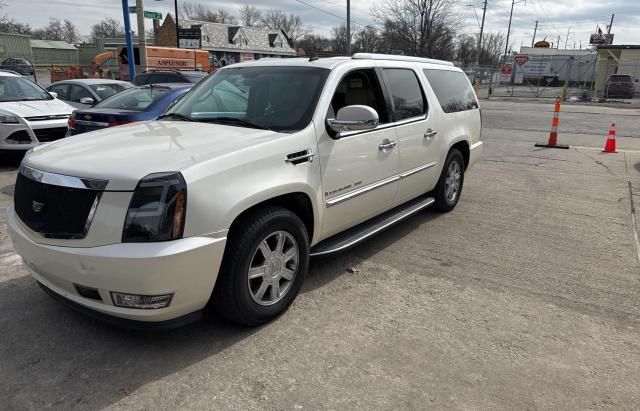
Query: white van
point(221, 202)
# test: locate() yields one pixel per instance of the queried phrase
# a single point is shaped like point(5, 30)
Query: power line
point(337, 16)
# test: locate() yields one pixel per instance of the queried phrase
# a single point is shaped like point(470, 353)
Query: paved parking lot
point(525, 296)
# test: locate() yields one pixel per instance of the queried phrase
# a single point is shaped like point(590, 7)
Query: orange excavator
point(96, 69)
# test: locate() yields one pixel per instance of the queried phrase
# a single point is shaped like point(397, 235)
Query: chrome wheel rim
point(452, 181)
point(273, 268)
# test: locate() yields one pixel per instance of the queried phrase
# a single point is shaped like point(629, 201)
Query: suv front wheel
point(265, 263)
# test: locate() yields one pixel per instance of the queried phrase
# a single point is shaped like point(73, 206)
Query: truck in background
point(164, 58)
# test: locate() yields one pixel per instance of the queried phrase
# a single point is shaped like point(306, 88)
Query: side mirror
point(53, 94)
point(86, 100)
point(354, 118)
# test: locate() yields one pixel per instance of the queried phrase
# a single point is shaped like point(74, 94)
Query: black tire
point(443, 203)
point(231, 298)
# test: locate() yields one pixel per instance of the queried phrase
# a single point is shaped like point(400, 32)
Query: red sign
point(520, 59)
point(507, 69)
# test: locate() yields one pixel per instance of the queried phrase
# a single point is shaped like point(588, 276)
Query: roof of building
point(51, 44)
point(233, 37)
point(554, 51)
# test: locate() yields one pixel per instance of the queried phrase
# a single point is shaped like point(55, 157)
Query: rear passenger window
point(452, 89)
point(408, 99)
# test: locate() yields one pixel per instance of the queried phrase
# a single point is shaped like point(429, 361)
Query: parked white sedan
point(29, 115)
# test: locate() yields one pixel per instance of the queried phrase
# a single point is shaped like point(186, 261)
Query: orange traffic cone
point(610, 144)
point(553, 136)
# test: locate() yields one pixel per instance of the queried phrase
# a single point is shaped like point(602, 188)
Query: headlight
point(157, 209)
point(6, 119)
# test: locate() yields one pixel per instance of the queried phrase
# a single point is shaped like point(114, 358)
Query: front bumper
point(23, 135)
point(187, 267)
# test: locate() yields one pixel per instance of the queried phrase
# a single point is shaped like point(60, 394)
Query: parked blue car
point(135, 104)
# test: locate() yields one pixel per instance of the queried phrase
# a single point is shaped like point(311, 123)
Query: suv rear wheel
point(265, 263)
point(449, 187)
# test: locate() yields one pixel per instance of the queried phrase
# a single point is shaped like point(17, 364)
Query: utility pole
point(348, 27)
point(506, 47)
point(535, 30)
point(175, 7)
point(142, 41)
point(610, 24)
point(479, 53)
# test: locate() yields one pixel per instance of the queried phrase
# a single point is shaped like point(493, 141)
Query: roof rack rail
point(376, 56)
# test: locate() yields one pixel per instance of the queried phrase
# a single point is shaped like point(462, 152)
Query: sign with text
point(147, 14)
point(520, 59)
point(190, 38)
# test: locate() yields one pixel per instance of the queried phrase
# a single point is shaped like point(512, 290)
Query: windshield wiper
point(235, 120)
point(176, 116)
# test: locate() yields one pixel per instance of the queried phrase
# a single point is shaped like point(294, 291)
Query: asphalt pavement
point(525, 296)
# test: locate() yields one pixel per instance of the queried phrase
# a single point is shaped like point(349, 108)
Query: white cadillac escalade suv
point(220, 203)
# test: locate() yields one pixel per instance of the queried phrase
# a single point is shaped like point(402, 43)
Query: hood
point(125, 154)
point(36, 108)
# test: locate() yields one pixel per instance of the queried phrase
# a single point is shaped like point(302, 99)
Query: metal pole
point(535, 30)
point(127, 33)
point(142, 40)
point(610, 24)
point(479, 54)
point(175, 6)
point(348, 27)
point(506, 46)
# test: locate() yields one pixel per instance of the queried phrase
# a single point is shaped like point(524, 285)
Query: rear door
point(417, 132)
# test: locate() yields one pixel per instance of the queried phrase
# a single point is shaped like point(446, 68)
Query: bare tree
point(198, 11)
point(225, 17)
point(424, 28)
point(70, 32)
point(314, 43)
point(10, 25)
point(52, 31)
point(492, 48)
point(366, 40)
point(466, 49)
point(107, 28)
point(291, 24)
point(339, 38)
point(250, 15)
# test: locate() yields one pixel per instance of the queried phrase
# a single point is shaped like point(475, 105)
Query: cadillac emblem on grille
point(36, 206)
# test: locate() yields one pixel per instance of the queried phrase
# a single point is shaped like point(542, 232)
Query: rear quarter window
point(453, 90)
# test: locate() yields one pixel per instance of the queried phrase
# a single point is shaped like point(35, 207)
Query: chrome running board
point(369, 228)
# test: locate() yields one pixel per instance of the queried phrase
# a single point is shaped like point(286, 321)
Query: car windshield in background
point(21, 89)
point(276, 98)
point(107, 90)
point(195, 77)
point(137, 99)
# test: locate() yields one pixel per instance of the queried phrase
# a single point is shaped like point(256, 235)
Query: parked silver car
point(84, 93)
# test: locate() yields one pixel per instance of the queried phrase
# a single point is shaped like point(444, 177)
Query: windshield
point(136, 99)
point(276, 98)
point(21, 89)
point(107, 90)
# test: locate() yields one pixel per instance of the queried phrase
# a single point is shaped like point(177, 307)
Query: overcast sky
point(556, 17)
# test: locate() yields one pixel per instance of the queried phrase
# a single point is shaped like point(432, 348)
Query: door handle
point(386, 145)
point(430, 133)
